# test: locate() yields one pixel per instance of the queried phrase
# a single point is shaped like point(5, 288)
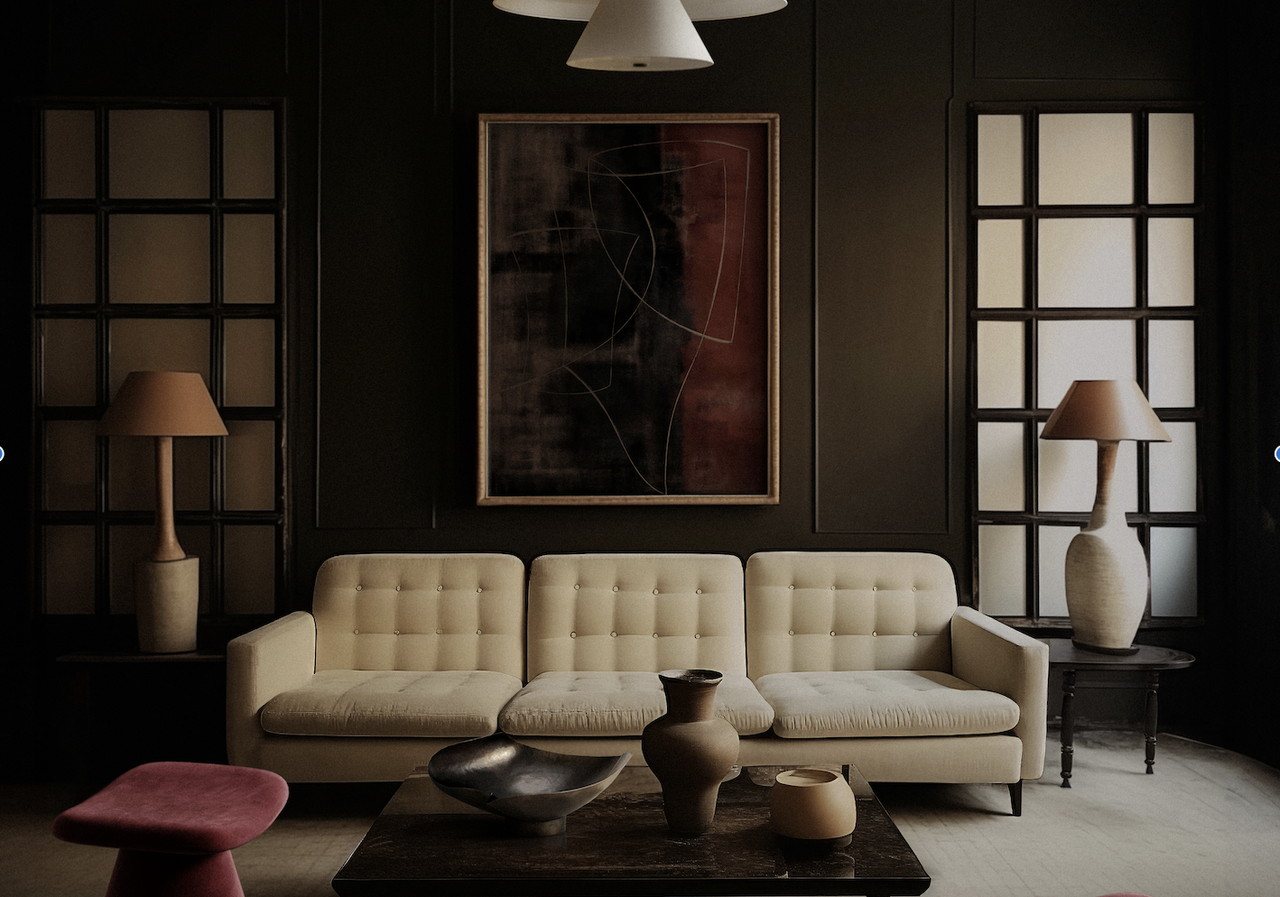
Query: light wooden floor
point(1207, 824)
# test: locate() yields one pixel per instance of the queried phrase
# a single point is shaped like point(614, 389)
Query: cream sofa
point(401, 655)
point(828, 658)
point(867, 659)
point(602, 626)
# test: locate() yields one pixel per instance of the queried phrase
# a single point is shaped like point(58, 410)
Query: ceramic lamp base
point(1106, 585)
point(167, 594)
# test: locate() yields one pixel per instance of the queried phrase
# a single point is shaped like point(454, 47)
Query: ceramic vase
point(690, 749)
point(813, 805)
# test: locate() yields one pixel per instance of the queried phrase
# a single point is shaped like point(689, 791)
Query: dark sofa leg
point(1015, 795)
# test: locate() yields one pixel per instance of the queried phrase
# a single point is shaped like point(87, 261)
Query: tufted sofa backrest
point(824, 611)
point(638, 612)
point(420, 612)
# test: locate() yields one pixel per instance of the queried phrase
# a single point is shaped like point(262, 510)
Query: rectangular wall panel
point(379, 411)
point(882, 323)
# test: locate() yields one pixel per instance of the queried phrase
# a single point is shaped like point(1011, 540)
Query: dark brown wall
point(872, 94)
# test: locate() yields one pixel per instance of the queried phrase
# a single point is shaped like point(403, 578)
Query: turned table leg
point(1068, 723)
point(1153, 686)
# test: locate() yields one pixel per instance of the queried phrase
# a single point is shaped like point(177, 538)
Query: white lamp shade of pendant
point(640, 35)
point(581, 10)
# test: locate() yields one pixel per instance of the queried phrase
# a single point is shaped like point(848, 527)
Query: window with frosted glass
point(160, 246)
point(1083, 242)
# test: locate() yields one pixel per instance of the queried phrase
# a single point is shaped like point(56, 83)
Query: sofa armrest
point(260, 665)
point(996, 657)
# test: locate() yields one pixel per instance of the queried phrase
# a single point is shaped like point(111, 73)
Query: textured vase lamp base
point(167, 594)
point(1106, 585)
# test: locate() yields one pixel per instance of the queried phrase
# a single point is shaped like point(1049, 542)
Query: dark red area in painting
point(724, 411)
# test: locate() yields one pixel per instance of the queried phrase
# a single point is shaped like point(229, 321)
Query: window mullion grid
point(1031, 340)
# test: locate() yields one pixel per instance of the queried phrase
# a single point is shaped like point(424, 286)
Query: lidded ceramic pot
point(813, 805)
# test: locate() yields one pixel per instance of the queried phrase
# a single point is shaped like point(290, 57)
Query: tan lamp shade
point(1107, 410)
point(162, 403)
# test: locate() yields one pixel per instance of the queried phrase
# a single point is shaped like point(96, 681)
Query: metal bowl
point(534, 789)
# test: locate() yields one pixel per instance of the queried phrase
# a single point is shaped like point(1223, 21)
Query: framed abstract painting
point(628, 309)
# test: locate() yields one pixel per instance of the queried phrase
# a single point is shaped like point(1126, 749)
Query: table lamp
point(1106, 569)
point(164, 404)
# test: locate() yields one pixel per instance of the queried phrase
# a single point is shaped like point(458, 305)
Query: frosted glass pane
point(1086, 159)
point(1000, 466)
point(1068, 475)
point(1171, 364)
point(69, 170)
point(1000, 364)
point(67, 362)
point(69, 469)
point(68, 569)
point(251, 465)
point(1002, 570)
point(248, 160)
point(1000, 267)
point(132, 473)
point(249, 259)
point(129, 544)
point(159, 258)
point(1082, 350)
point(999, 160)
point(249, 573)
point(67, 270)
point(1171, 261)
point(1173, 571)
point(158, 153)
point(1086, 262)
point(251, 362)
point(1171, 157)
point(158, 344)
point(1053, 556)
point(1173, 469)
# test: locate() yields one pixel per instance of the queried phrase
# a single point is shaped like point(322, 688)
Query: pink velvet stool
point(175, 825)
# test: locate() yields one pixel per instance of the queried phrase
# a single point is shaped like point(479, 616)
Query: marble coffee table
point(619, 844)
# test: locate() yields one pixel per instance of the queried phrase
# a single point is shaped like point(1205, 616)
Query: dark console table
point(619, 844)
point(1150, 660)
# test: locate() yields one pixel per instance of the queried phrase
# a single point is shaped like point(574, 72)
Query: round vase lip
point(693, 677)
point(806, 778)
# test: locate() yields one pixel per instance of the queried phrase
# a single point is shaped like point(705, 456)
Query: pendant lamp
point(639, 35)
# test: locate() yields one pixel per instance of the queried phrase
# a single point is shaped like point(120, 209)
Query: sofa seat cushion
point(868, 703)
point(392, 704)
point(597, 703)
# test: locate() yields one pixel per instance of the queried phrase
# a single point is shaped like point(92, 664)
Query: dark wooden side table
point(1064, 655)
point(124, 708)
